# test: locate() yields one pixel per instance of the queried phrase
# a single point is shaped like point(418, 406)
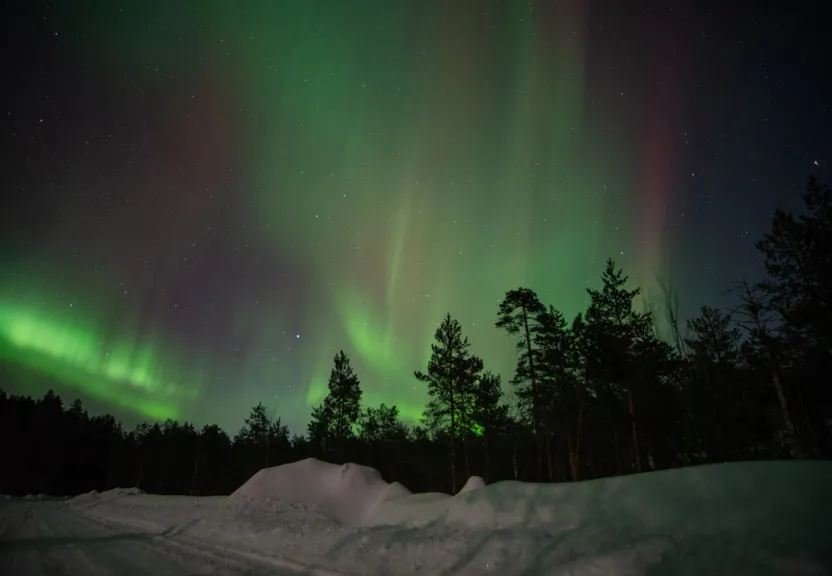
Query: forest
point(602, 394)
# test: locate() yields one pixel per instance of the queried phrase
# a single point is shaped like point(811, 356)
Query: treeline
point(597, 395)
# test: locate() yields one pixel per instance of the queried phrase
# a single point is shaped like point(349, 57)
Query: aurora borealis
point(212, 198)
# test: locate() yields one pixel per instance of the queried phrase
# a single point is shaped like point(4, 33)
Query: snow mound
point(126, 491)
point(721, 497)
point(87, 497)
point(95, 497)
point(474, 483)
point(762, 518)
point(346, 494)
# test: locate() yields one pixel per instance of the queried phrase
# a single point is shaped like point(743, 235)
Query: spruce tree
point(257, 433)
point(488, 414)
point(344, 399)
point(562, 397)
point(714, 389)
point(451, 374)
point(612, 328)
point(319, 428)
point(798, 259)
point(381, 424)
point(753, 314)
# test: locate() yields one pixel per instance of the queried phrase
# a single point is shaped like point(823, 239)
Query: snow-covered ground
point(314, 518)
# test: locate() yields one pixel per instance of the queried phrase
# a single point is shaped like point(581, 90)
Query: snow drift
point(760, 518)
point(347, 493)
point(714, 497)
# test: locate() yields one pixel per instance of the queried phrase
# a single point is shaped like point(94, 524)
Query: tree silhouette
point(612, 330)
point(561, 390)
point(451, 373)
point(517, 315)
point(720, 407)
point(601, 396)
point(257, 432)
point(319, 428)
point(489, 414)
point(752, 315)
point(343, 400)
point(798, 258)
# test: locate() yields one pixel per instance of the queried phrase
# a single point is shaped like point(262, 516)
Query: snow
point(474, 482)
point(316, 518)
point(346, 493)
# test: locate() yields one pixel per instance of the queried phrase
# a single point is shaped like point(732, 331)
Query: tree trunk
point(549, 459)
point(813, 444)
point(465, 449)
point(791, 435)
point(535, 399)
point(575, 451)
point(485, 458)
point(514, 460)
point(341, 430)
point(453, 452)
point(193, 478)
point(637, 456)
point(591, 463)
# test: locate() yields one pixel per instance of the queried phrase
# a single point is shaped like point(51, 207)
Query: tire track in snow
point(174, 538)
point(50, 538)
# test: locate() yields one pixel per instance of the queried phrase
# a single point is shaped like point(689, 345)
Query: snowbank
point(346, 493)
point(755, 517)
point(474, 483)
point(725, 497)
point(716, 497)
point(107, 495)
point(760, 518)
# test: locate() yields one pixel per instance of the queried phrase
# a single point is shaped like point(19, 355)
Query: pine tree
point(451, 373)
point(319, 428)
point(488, 413)
point(344, 399)
point(612, 328)
point(258, 433)
point(381, 424)
point(712, 337)
point(517, 315)
point(798, 259)
point(558, 380)
point(753, 315)
point(713, 389)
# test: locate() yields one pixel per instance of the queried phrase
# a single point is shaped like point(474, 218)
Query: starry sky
point(206, 200)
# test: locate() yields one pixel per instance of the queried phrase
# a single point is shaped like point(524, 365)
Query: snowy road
point(38, 537)
point(313, 518)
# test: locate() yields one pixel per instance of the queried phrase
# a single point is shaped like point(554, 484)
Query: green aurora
point(393, 160)
point(122, 373)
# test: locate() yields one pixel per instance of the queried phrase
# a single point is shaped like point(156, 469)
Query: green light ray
point(459, 152)
point(125, 374)
point(433, 262)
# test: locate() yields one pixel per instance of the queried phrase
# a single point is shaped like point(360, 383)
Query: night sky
point(204, 201)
